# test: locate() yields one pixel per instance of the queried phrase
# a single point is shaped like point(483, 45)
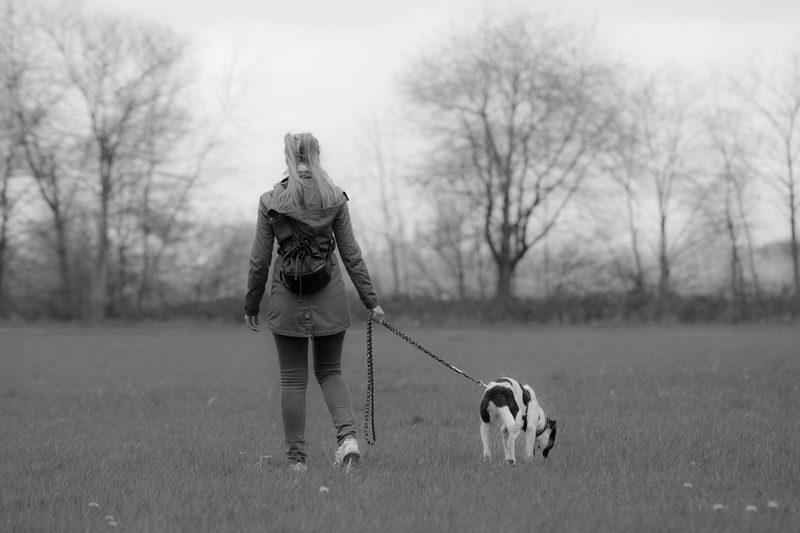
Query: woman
point(307, 205)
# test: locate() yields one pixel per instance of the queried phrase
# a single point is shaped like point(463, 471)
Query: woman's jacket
point(324, 312)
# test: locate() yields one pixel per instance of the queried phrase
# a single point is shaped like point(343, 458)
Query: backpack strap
point(288, 232)
point(280, 226)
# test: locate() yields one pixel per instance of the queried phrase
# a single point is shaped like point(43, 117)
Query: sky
point(331, 66)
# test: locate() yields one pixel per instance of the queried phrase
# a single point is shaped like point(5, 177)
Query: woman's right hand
point(377, 314)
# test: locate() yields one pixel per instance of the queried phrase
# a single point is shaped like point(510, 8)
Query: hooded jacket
point(326, 311)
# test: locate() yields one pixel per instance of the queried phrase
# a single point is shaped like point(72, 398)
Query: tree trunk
point(100, 285)
point(638, 275)
point(794, 250)
point(751, 260)
point(4, 217)
point(395, 261)
point(664, 271)
point(738, 299)
point(66, 305)
point(99, 298)
point(505, 273)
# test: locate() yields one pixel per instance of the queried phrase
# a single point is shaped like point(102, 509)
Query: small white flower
point(94, 504)
point(751, 508)
point(112, 523)
point(772, 505)
point(211, 400)
point(324, 490)
point(109, 518)
point(718, 507)
point(687, 485)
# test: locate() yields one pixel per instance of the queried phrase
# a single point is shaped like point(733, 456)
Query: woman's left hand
point(251, 321)
point(377, 314)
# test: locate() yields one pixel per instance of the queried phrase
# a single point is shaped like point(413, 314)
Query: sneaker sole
point(349, 460)
point(352, 457)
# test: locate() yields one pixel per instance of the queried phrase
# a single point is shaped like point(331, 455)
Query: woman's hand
point(251, 321)
point(377, 314)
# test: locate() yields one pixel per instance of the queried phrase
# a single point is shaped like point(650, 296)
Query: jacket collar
point(300, 213)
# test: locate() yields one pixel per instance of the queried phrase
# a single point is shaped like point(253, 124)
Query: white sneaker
point(300, 468)
point(348, 453)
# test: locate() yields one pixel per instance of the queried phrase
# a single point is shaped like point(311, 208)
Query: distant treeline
point(591, 308)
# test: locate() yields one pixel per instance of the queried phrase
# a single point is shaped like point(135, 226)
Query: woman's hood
point(313, 214)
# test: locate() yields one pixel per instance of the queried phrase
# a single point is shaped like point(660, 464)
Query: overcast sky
point(328, 66)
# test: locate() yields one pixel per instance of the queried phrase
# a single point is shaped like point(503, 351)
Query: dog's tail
point(505, 416)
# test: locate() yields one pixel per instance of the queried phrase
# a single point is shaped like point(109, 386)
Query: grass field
point(177, 428)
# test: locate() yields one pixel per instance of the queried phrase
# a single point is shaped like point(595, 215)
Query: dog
point(512, 408)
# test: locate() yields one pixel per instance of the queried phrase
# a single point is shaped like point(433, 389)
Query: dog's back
point(507, 399)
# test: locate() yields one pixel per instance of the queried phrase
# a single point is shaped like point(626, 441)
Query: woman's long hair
point(303, 149)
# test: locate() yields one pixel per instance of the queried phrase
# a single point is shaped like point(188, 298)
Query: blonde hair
point(303, 149)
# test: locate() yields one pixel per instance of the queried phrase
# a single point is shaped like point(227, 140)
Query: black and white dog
point(512, 408)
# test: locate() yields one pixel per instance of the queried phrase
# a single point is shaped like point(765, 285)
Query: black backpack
point(304, 266)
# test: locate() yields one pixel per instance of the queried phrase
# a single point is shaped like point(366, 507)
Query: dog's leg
point(530, 443)
point(510, 432)
point(511, 440)
point(486, 434)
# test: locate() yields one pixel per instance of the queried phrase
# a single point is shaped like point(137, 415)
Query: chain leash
point(369, 411)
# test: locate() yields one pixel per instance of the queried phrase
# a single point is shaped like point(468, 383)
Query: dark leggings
point(293, 360)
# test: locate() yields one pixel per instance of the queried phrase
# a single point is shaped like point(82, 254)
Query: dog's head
point(547, 437)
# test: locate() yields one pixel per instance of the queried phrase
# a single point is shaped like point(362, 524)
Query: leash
point(369, 410)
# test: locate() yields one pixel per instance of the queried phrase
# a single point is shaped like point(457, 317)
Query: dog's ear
point(552, 425)
point(526, 396)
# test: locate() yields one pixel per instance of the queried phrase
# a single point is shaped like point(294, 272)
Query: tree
point(14, 67)
point(665, 151)
point(8, 144)
point(730, 142)
point(625, 168)
point(127, 77)
point(454, 242)
point(516, 112)
point(381, 169)
point(773, 90)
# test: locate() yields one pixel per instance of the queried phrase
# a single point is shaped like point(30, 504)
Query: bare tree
point(773, 90)
point(7, 165)
point(450, 240)
point(519, 109)
point(126, 76)
point(162, 179)
point(731, 142)
point(625, 167)
point(667, 141)
point(55, 188)
point(382, 170)
point(49, 159)
point(14, 68)
point(212, 269)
